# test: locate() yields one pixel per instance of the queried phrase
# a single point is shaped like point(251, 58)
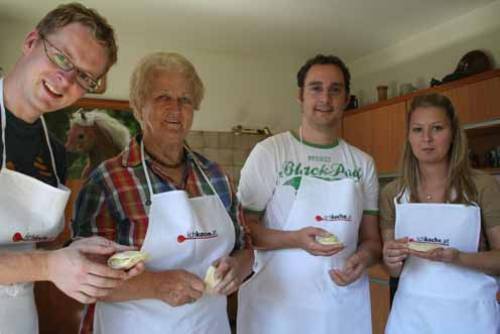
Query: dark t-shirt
point(28, 153)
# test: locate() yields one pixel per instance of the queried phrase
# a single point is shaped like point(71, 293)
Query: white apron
point(435, 297)
point(30, 211)
point(292, 291)
point(185, 234)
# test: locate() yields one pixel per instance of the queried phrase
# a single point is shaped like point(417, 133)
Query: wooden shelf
point(89, 103)
point(436, 89)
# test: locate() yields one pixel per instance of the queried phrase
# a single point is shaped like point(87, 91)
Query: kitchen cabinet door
point(357, 130)
point(460, 97)
point(379, 132)
point(484, 97)
point(388, 124)
point(476, 102)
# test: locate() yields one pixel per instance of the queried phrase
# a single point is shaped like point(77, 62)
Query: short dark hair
point(75, 12)
point(321, 59)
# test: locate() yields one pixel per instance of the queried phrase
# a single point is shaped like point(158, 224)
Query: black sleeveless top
point(28, 153)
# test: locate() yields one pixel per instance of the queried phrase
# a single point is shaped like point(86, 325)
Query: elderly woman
point(172, 203)
point(441, 228)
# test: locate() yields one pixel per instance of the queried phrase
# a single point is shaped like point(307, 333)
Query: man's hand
point(306, 239)
point(74, 272)
point(354, 267)
point(394, 253)
point(178, 287)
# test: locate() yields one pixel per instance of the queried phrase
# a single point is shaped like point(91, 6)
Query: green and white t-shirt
point(275, 167)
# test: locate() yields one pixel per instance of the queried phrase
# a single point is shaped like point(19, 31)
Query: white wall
point(259, 90)
point(433, 53)
point(252, 90)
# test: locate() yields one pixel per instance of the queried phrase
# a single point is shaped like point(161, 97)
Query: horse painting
point(97, 135)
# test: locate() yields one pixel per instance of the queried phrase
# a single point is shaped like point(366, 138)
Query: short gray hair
point(140, 81)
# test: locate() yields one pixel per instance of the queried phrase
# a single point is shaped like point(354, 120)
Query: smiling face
point(323, 97)
point(45, 86)
point(167, 114)
point(430, 135)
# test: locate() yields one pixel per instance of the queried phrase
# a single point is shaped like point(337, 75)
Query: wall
point(433, 53)
point(226, 148)
point(253, 90)
point(258, 90)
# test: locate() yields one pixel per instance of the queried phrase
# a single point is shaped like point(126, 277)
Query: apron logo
point(430, 240)
point(334, 218)
point(197, 235)
point(17, 237)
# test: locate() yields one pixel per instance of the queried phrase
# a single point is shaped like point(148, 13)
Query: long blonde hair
point(459, 181)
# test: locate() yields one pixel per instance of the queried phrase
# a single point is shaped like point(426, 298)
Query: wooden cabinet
point(460, 98)
point(476, 102)
point(388, 136)
point(379, 129)
point(379, 132)
point(484, 97)
point(357, 130)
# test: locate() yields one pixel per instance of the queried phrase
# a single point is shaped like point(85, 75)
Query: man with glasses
point(310, 200)
point(63, 58)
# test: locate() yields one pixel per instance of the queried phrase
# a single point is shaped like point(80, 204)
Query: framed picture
point(92, 131)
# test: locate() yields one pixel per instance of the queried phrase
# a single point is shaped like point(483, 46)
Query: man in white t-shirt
point(298, 187)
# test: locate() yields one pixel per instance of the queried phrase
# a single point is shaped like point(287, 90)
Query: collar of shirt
point(131, 156)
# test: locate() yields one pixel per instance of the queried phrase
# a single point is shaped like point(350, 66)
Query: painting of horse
point(97, 135)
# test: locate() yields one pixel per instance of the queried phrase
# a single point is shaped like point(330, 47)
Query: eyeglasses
point(59, 59)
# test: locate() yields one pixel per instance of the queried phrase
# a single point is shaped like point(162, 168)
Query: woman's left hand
point(448, 255)
point(231, 271)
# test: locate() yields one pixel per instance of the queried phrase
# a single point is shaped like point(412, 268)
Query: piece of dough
point(126, 260)
point(210, 280)
point(330, 239)
point(422, 246)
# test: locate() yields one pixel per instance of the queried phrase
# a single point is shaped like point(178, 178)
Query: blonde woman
point(441, 228)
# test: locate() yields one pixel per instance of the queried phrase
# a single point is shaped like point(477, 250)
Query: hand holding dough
point(126, 260)
point(210, 280)
point(422, 246)
point(328, 239)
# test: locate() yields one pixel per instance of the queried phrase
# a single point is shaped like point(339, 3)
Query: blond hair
point(140, 81)
point(74, 12)
point(459, 187)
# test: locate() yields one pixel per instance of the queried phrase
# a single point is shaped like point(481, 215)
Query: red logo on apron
point(197, 235)
point(16, 237)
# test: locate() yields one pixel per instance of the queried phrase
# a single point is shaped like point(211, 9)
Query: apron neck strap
point(3, 120)
point(207, 180)
point(51, 152)
point(148, 179)
point(196, 162)
point(198, 165)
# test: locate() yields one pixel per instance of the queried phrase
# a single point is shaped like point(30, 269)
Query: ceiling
point(349, 28)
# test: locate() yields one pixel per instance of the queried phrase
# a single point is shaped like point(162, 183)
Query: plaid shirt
point(112, 201)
